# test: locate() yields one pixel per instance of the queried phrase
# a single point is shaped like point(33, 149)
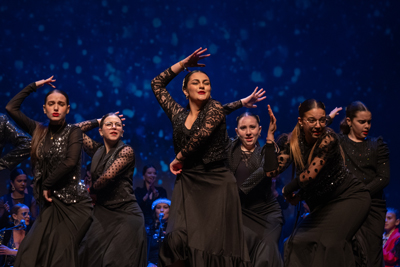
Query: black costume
point(53, 239)
point(368, 161)
point(262, 215)
point(140, 192)
point(205, 224)
point(339, 203)
point(9, 134)
point(117, 236)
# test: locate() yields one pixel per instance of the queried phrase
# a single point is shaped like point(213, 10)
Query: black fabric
point(205, 192)
point(262, 215)
point(10, 134)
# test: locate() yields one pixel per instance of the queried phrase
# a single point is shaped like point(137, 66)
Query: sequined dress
point(117, 236)
point(369, 162)
point(339, 203)
point(205, 224)
point(54, 237)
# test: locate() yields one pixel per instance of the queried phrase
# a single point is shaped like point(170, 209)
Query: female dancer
point(367, 158)
point(262, 215)
point(205, 224)
point(149, 192)
point(117, 236)
point(10, 240)
point(56, 158)
point(323, 238)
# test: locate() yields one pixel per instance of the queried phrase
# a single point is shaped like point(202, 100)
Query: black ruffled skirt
point(55, 236)
point(117, 237)
point(205, 223)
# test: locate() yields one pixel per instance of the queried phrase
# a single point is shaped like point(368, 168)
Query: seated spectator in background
point(390, 237)
point(18, 184)
point(154, 235)
point(149, 192)
point(11, 239)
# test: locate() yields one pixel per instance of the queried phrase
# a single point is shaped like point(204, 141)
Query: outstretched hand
point(193, 59)
point(335, 112)
point(272, 124)
point(47, 81)
point(255, 97)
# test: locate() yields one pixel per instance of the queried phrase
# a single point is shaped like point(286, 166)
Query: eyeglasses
point(111, 124)
point(25, 214)
point(312, 121)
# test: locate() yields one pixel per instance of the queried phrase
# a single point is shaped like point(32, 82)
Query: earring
point(12, 188)
point(187, 96)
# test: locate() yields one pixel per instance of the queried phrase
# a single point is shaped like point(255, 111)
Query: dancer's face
point(56, 108)
point(112, 128)
point(248, 131)
point(20, 183)
point(150, 175)
point(23, 214)
point(313, 123)
point(360, 124)
point(198, 87)
point(162, 208)
point(391, 221)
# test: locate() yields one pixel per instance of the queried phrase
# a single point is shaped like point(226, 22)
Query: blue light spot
point(213, 48)
point(164, 167)
point(129, 113)
point(294, 79)
point(84, 52)
point(339, 72)
point(73, 105)
point(278, 71)
point(159, 182)
point(329, 95)
point(244, 35)
point(296, 32)
point(65, 65)
point(174, 39)
point(110, 50)
point(202, 20)
point(99, 94)
point(41, 28)
point(156, 59)
point(275, 109)
point(297, 71)
point(156, 22)
point(161, 134)
point(104, 3)
point(118, 102)
point(262, 24)
point(189, 23)
point(124, 9)
point(256, 77)
point(19, 64)
point(52, 66)
point(79, 42)
point(78, 69)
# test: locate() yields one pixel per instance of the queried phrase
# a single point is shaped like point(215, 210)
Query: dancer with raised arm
point(323, 238)
point(117, 236)
point(205, 224)
point(56, 159)
point(367, 158)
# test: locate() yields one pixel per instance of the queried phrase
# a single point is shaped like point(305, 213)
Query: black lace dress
point(369, 162)
point(339, 203)
point(205, 223)
point(54, 237)
point(117, 236)
point(262, 215)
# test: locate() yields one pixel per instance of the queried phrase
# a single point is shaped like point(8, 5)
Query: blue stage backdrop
point(105, 53)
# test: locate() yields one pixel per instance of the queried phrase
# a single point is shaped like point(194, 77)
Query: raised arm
point(125, 159)
point(20, 141)
point(247, 102)
point(89, 145)
point(382, 178)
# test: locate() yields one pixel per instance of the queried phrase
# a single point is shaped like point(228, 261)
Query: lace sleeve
point(168, 104)
point(124, 158)
point(87, 125)
point(276, 163)
point(329, 142)
point(382, 169)
point(89, 145)
point(231, 107)
point(213, 117)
